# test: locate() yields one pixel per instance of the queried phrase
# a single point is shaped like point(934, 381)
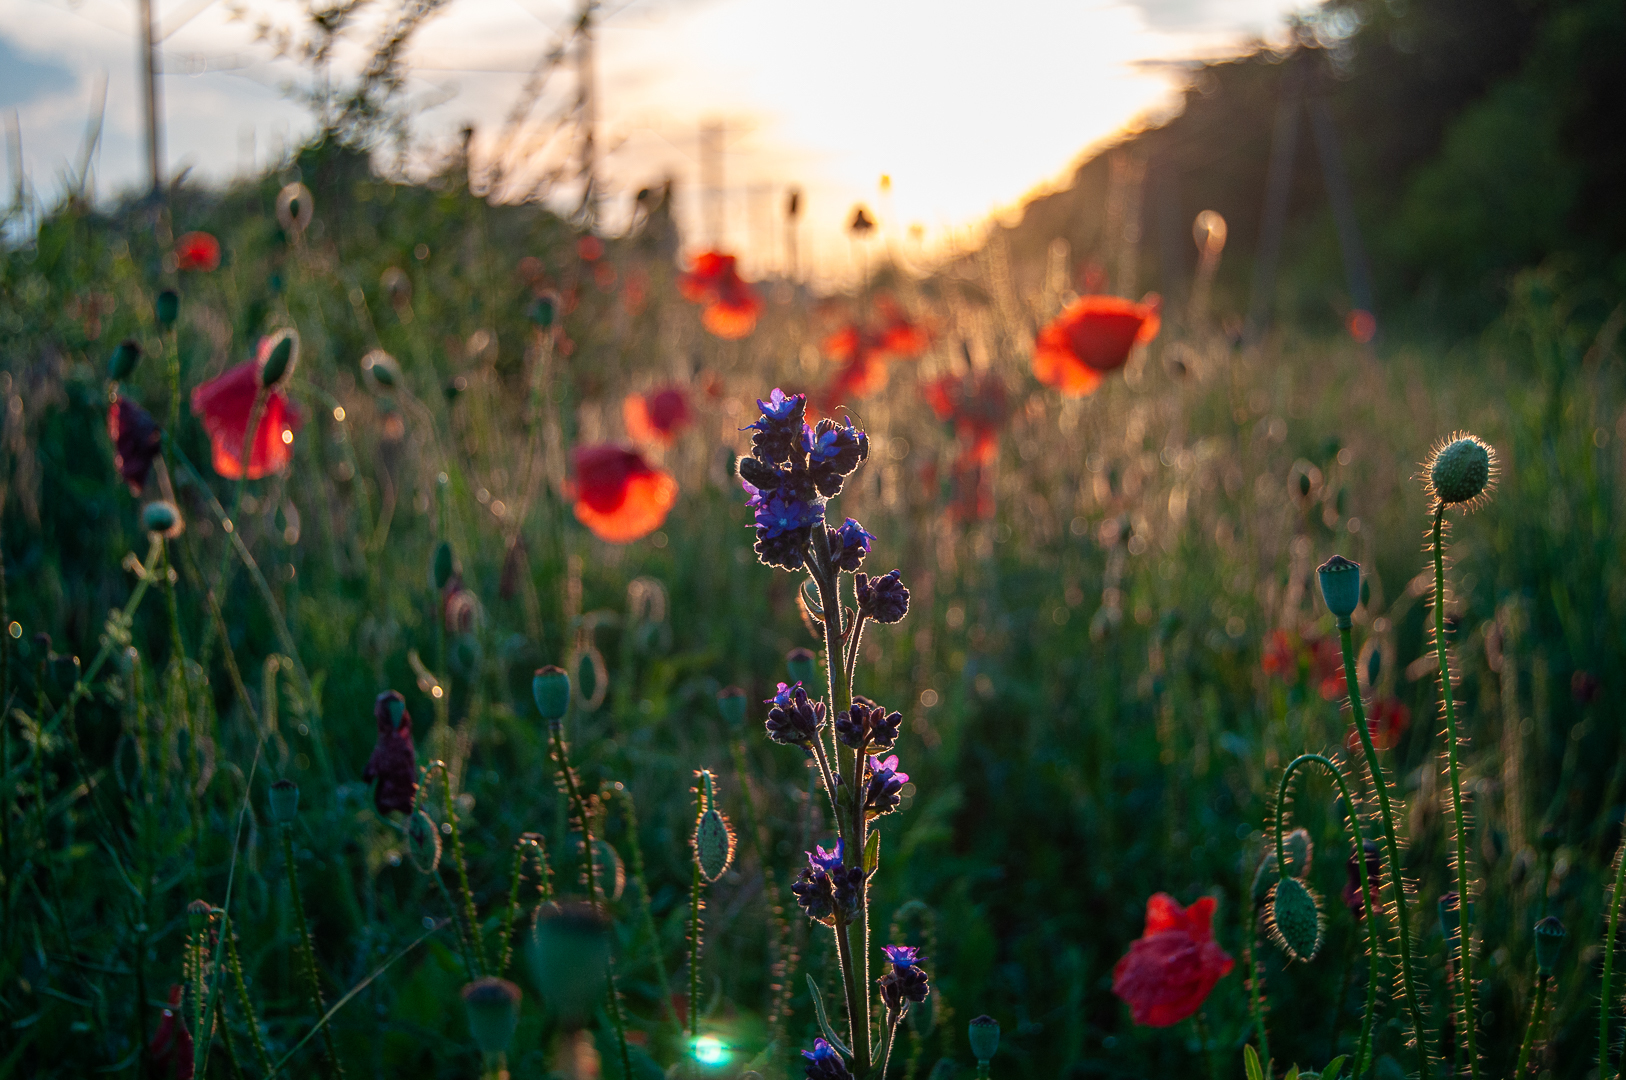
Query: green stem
point(469, 913)
point(1604, 1002)
point(1397, 884)
point(1535, 1025)
point(307, 951)
point(1256, 1003)
point(1202, 1042)
point(1358, 843)
point(505, 955)
point(635, 851)
point(1465, 914)
point(694, 955)
point(235, 965)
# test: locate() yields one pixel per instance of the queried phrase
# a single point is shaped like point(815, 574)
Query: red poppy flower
point(197, 251)
point(394, 760)
point(136, 441)
point(978, 408)
point(224, 404)
point(732, 306)
point(1281, 658)
point(1386, 720)
point(1327, 668)
point(900, 337)
point(171, 1046)
point(1170, 970)
point(619, 496)
point(1093, 335)
point(656, 417)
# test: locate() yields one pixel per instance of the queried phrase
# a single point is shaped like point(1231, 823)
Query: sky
point(965, 106)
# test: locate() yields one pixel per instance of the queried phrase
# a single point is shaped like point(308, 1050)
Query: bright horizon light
point(967, 106)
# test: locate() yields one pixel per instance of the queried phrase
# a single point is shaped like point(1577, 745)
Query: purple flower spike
point(823, 1062)
point(881, 794)
point(780, 405)
point(849, 543)
point(902, 955)
point(906, 982)
point(794, 720)
point(820, 859)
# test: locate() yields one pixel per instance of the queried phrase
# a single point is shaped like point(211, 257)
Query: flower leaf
point(830, 1035)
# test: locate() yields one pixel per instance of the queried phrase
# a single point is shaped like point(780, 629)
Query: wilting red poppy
point(171, 1047)
point(197, 251)
point(394, 761)
point(224, 404)
point(1386, 720)
point(656, 417)
point(732, 306)
point(1170, 970)
point(619, 496)
point(1093, 335)
point(136, 441)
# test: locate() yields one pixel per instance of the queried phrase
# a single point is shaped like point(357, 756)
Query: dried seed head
point(1295, 919)
point(1461, 471)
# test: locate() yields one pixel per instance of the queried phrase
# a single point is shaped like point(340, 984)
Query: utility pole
point(587, 111)
point(149, 88)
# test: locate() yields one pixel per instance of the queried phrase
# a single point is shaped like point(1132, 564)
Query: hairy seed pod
point(713, 844)
point(1461, 470)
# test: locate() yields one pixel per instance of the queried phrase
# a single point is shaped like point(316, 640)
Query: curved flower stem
point(1357, 842)
point(1465, 913)
point(1530, 1030)
point(1605, 1005)
point(1397, 884)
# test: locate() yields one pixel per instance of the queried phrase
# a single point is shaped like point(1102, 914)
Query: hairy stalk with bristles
point(307, 954)
point(1605, 994)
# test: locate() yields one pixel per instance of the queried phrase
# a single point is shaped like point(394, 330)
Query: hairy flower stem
point(779, 962)
point(1357, 843)
point(1465, 906)
point(1605, 1002)
point(1530, 1030)
point(1397, 885)
point(695, 942)
point(561, 761)
point(234, 964)
point(1256, 1003)
point(469, 913)
point(307, 953)
point(636, 852)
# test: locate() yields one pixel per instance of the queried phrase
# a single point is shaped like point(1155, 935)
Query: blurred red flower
point(903, 339)
point(1327, 668)
point(619, 496)
point(977, 406)
point(171, 1046)
point(197, 251)
point(1386, 720)
point(137, 439)
point(394, 760)
point(1171, 969)
point(224, 404)
point(1093, 335)
point(731, 306)
point(658, 416)
point(1281, 658)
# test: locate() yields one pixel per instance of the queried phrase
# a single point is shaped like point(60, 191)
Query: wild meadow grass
point(569, 855)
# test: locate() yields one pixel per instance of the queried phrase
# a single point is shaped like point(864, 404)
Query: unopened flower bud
point(161, 516)
point(125, 358)
point(167, 307)
point(198, 913)
point(550, 687)
point(284, 802)
point(493, 1006)
point(283, 358)
point(1461, 470)
point(1295, 918)
point(984, 1035)
point(1340, 587)
point(442, 565)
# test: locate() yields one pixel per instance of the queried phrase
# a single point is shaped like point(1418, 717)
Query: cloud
point(25, 78)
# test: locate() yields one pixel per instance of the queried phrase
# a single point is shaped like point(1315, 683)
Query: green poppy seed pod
point(569, 953)
point(167, 307)
point(713, 844)
point(543, 311)
point(284, 802)
point(1460, 470)
point(1264, 878)
point(1295, 919)
point(1550, 935)
point(1340, 587)
point(493, 1006)
point(197, 916)
point(125, 357)
point(442, 565)
point(1300, 851)
point(984, 1036)
point(550, 686)
point(802, 666)
point(423, 842)
point(161, 516)
point(731, 703)
point(282, 360)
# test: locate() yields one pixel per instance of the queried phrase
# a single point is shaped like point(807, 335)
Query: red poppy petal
point(1163, 912)
point(646, 500)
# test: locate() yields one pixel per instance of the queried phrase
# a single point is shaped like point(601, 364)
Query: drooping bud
point(423, 842)
point(550, 687)
point(731, 703)
point(1295, 919)
point(167, 307)
point(1461, 469)
point(1550, 935)
point(802, 666)
point(984, 1036)
point(493, 1007)
point(381, 368)
point(284, 802)
point(442, 565)
point(125, 357)
point(1340, 587)
point(1264, 878)
point(282, 359)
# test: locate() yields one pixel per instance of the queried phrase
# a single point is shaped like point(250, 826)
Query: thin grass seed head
point(1461, 471)
point(1296, 922)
